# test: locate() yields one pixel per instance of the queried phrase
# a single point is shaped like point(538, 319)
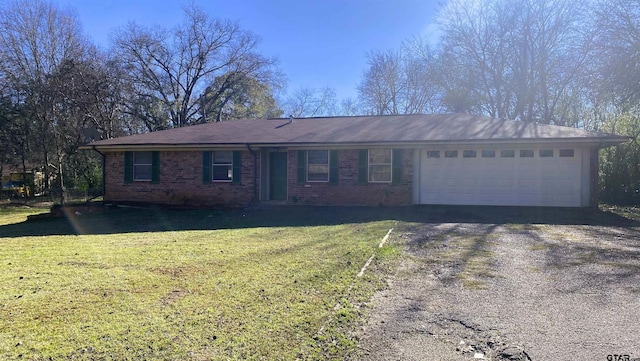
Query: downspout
point(255, 174)
point(594, 162)
point(104, 178)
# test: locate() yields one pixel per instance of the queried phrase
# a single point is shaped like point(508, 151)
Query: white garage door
point(519, 177)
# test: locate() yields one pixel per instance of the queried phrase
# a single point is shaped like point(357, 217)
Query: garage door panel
point(547, 181)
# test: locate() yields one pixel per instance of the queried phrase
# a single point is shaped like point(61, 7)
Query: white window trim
point(369, 164)
point(214, 164)
point(134, 164)
point(328, 166)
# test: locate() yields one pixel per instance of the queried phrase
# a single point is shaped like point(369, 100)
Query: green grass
point(15, 214)
point(245, 287)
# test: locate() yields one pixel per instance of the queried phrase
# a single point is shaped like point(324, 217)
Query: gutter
point(104, 178)
point(593, 141)
point(255, 174)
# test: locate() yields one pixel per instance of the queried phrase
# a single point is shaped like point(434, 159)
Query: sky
point(318, 43)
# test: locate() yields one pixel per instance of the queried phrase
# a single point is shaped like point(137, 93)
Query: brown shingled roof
point(392, 129)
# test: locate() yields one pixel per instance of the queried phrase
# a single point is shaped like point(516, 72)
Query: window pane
point(222, 157)
point(318, 173)
point(379, 156)
point(222, 172)
point(142, 157)
point(566, 152)
point(526, 153)
point(546, 153)
point(451, 154)
point(468, 153)
point(380, 173)
point(507, 153)
point(318, 166)
point(488, 153)
point(142, 172)
point(318, 157)
point(433, 154)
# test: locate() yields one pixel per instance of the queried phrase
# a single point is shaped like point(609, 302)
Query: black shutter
point(363, 165)
point(333, 167)
point(302, 166)
point(237, 166)
point(155, 167)
point(396, 171)
point(128, 167)
point(206, 167)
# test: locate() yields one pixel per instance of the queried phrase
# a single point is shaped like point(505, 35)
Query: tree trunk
point(61, 178)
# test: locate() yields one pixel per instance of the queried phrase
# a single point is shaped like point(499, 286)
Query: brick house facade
point(180, 182)
point(393, 160)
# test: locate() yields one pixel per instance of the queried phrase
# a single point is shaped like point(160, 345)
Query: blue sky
point(318, 43)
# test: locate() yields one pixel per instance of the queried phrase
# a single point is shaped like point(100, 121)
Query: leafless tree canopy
point(400, 82)
point(38, 43)
point(516, 59)
point(311, 102)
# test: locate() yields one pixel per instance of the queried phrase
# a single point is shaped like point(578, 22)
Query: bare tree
point(518, 59)
point(36, 40)
point(170, 69)
point(616, 85)
point(350, 107)
point(400, 82)
point(311, 102)
point(618, 43)
point(381, 83)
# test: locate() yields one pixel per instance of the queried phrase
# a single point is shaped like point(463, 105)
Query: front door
point(278, 176)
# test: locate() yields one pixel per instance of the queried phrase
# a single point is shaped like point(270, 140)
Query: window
point(488, 153)
point(451, 154)
point(566, 153)
point(380, 164)
point(142, 166)
point(317, 166)
point(433, 154)
point(546, 153)
point(469, 153)
point(222, 166)
point(507, 153)
point(526, 153)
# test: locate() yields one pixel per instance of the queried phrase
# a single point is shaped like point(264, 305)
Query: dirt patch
point(509, 292)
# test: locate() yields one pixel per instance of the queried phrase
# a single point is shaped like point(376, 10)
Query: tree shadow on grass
point(113, 220)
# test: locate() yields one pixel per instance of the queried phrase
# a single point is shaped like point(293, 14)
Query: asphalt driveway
point(503, 288)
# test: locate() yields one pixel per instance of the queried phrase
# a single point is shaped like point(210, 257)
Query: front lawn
point(184, 285)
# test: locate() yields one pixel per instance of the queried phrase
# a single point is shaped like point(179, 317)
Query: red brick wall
point(348, 191)
point(180, 182)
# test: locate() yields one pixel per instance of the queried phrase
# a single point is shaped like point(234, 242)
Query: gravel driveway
point(482, 288)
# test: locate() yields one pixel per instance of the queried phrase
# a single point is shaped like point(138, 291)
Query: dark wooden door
point(278, 176)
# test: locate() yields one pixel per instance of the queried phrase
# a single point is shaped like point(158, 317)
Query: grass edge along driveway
point(174, 285)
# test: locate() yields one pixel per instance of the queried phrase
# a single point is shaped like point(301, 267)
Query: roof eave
point(586, 141)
